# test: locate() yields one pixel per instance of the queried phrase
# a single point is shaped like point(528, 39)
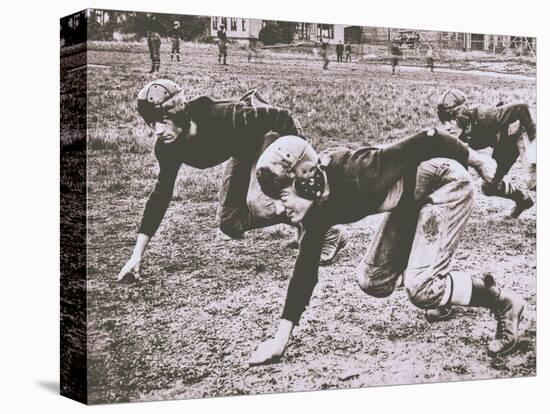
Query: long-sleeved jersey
point(224, 129)
point(483, 125)
point(359, 182)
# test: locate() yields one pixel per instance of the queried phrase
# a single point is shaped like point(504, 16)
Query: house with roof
point(241, 28)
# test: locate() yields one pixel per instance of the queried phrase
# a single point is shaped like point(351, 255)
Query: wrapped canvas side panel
point(73, 334)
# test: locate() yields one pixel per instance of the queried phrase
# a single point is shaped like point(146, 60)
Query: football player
point(202, 133)
point(501, 128)
point(427, 201)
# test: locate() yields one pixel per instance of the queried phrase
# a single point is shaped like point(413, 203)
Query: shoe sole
point(340, 246)
point(513, 346)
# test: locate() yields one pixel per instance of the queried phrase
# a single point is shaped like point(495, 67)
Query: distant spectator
point(324, 54)
point(430, 58)
point(222, 45)
point(339, 52)
point(396, 54)
point(153, 28)
point(252, 49)
point(347, 50)
point(175, 36)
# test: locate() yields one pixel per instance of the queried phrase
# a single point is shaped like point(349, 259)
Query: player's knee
point(419, 288)
point(260, 206)
point(368, 277)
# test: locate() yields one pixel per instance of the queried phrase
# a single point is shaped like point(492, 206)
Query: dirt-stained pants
point(418, 240)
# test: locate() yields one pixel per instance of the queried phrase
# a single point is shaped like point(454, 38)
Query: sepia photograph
point(259, 206)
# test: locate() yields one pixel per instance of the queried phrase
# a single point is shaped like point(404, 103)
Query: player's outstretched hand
point(268, 352)
point(485, 166)
point(131, 271)
point(271, 350)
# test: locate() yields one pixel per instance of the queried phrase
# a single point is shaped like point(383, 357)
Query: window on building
point(302, 30)
point(215, 23)
point(243, 24)
point(233, 24)
point(224, 21)
point(325, 31)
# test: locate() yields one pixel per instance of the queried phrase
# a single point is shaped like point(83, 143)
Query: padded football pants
point(418, 240)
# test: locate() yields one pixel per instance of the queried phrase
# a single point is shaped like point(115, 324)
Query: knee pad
point(372, 283)
point(262, 207)
point(425, 289)
point(416, 295)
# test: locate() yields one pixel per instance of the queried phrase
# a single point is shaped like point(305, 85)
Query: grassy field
point(188, 328)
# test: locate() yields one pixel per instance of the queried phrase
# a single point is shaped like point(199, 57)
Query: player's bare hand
point(131, 271)
point(484, 165)
point(268, 352)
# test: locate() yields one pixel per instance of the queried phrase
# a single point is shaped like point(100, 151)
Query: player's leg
point(151, 53)
point(156, 43)
point(505, 154)
point(428, 280)
point(233, 214)
point(440, 223)
point(386, 256)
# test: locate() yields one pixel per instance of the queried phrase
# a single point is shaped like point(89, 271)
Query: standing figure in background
point(324, 54)
point(395, 55)
point(222, 45)
point(347, 50)
point(430, 58)
point(153, 28)
point(175, 36)
point(339, 52)
point(252, 49)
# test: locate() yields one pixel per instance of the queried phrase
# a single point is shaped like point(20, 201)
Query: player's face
point(295, 206)
point(166, 130)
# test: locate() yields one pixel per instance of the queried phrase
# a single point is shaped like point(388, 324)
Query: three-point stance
point(501, 128)
point(428, 200)
point(202, 133)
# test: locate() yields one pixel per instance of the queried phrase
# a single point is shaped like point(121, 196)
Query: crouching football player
point(428, 200)
point(203, 133)
point(501, 128)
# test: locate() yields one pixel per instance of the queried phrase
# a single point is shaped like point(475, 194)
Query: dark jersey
point(175, 34)
point(484, 125)
point(224, 129)
point(396, 51)
point(359, 182)
point(222, 35)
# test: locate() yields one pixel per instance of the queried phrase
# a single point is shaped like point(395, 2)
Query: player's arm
point(409, 152)
point(301, 286)
point(154, 212)
point(518, 112)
